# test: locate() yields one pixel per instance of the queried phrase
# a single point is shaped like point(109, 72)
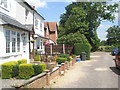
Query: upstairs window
point(36, 23)
point(40, 26)
point(3, 3)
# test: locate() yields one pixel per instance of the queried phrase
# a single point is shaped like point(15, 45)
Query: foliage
point(37, 69)
point(22, 61)
point(61, 60)
point(105, 48)
point(8, 69)
point(79, 48)
point(26, 71)
point(113, 36)
point(43, 66)
point(72, 38)
point(85, 18)
point(37, 58)
point(65, 56)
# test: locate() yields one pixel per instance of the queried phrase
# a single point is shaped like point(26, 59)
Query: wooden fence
point(58, 49)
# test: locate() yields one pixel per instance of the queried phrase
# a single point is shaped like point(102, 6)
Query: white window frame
point(4, 3)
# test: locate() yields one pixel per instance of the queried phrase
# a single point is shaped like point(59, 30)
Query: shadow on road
point(115, 70)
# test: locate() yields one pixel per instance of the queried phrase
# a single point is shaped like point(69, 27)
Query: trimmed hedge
point(82, 47)
point(9, 69)
point(37, 69)
point(43, 66)
point(60, 60)
point(65, 56)
point(22, 61)
point(26, 71)
point(37, 58)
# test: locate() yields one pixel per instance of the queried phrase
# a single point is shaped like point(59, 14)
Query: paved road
point(99, 72)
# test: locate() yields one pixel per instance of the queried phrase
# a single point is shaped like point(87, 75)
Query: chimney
point(33, 7)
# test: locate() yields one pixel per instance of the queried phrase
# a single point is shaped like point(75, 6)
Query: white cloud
point(37, 3)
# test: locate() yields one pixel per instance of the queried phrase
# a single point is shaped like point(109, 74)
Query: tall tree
point(85, 17)
point(113, 36)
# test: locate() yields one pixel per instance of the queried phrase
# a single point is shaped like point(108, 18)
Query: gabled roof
point(51, 25)
point(12, 22)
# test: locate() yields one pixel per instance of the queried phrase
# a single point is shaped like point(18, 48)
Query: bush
point(37, 58)
point(22, 61)
point(65, 56)
point(82, 47)
point(9, 70)
point(26, 71)
point(61, 60)
point(43, 66)
point(105, 48)
point(37, 69)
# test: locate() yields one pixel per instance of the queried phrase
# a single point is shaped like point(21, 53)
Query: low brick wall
point(43, 79)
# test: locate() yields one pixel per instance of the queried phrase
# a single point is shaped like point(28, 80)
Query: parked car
point(117, 60)
point(115, 51)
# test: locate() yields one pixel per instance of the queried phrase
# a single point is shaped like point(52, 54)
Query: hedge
point(37, 58)
point(65, 56)
point(105, 48)
point(9, 69)
point(26, 71)
point(37, 69)
point(22, 61)
point(82, 47)
point(43, 66)
point(60, 60)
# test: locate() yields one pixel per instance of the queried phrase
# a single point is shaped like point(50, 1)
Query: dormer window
point(26, 13)
point(3, 3)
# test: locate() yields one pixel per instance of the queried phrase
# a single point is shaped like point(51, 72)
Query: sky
point(52, 9)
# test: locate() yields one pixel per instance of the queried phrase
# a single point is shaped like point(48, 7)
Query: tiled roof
point(12, 22)
point(51, 25)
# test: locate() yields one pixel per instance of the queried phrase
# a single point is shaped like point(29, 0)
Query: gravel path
point(99, 72)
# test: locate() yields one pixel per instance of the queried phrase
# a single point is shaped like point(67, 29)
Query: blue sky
point(52, 9)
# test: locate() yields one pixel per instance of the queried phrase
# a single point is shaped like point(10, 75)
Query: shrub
point(82, 47)
point(37, 69)
point(22, 61)
point(26, 71)
point(65, 56)
point(9, 70)
point(105, 48)
point(37, 58)
point(61, 60)
point(43, 66)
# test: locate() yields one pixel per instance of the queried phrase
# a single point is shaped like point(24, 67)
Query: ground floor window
point(12, 41)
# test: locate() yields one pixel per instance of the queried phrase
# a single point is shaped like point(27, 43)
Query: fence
point(57, 49)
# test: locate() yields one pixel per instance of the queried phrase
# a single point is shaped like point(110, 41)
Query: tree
point(85, 17)
point(72, 38)
point(113, 36)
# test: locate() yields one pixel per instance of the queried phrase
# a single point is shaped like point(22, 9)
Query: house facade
point(17, 24)
point(50, 29)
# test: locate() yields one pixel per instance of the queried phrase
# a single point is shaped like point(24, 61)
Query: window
point(26, 13)
point(36, 23)
point(40, 26)
point(38, 44)
point(41, 44)
point(3, 3)
point(7, 41)
point(18, 42)
point(14, 46)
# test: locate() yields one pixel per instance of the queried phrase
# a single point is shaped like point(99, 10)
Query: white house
point(16, 22)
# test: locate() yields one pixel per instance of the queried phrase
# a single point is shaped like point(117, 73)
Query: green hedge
point(9, 69)
point(43, 66)
point(37, 69)
point(60, 60)
point(37, 58)
point(65, 56)
point(26, 71)
point(82, 47)
point(105, 48)
point(22, 61)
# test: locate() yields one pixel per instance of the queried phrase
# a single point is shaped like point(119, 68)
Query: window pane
point(7, 41)
point(18, 42)
point(13, 44)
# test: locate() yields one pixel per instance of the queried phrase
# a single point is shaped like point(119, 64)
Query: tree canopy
point(85, 17)
point(113, 36)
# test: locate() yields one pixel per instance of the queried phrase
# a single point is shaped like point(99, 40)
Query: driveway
point(99, 72)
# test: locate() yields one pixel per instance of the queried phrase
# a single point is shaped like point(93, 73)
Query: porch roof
point(12, 22)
